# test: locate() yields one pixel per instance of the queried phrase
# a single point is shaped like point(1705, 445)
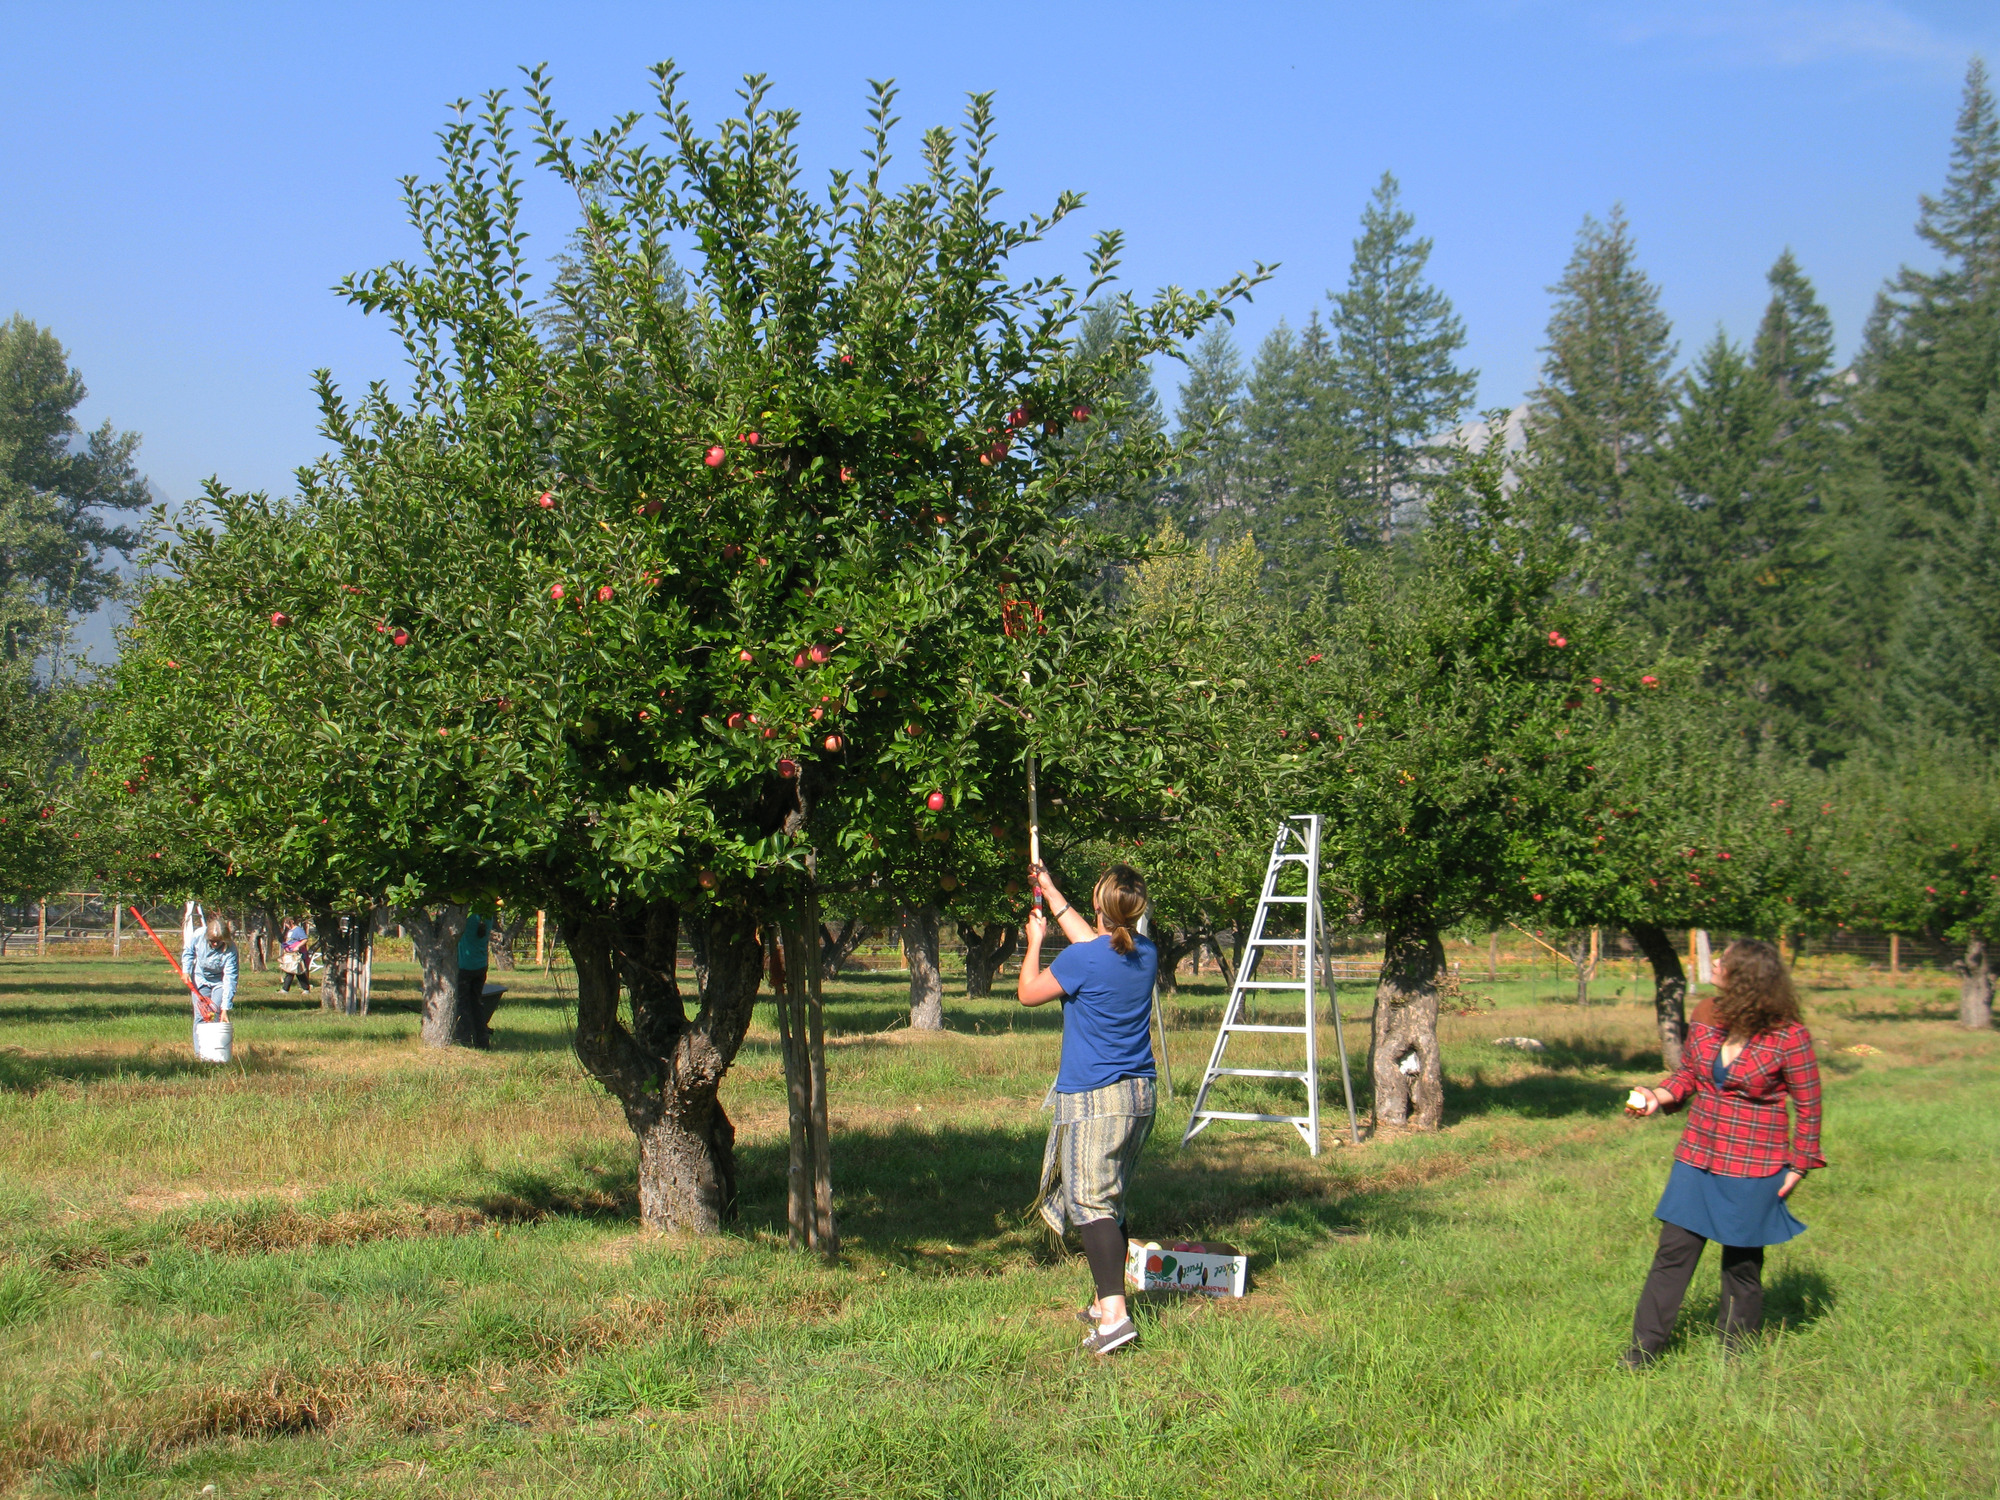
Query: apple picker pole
point(1034, 829)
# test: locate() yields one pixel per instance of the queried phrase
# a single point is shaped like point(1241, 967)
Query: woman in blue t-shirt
point(1104, 1091)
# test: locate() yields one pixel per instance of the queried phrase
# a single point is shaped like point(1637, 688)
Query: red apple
point(1018, 417)
point(752, 438)
point(731, 552)
point(770, 733)
point(913, 730)
point(846, 475)
point(401, 637)
point(799, 660)
point(546, 500)
point(818, 714)
point(706, 879)
point(1651, 682)
point(743, 656)
point(650, 508)
point(847, 359)
point(788, 767)
point(604, 593)
point(935, 802)
point(1557, 639)
point(840, 630)
point(714, 457)
point(948, 882)
point(1079, 413)
point(556, 591)
point(734, 721)
point(348, 588)
point(833, 742)
point(878, 693)
point(819, 654)
point(1013, 887)
point(281, 619)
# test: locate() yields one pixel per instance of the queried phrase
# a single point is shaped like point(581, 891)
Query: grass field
point(346, 1266)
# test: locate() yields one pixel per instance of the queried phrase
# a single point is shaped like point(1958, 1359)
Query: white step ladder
point(1297, 843)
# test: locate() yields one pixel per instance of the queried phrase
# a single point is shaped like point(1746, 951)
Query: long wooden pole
point(1034, 828)
point(201, 1003)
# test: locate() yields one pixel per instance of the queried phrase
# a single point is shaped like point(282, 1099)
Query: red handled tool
point(201, 1005)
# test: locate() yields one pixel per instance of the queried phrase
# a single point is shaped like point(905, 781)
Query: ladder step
point(1227, 1114)
point(1297, 942)
point(1285, 1030)
point(1272, 984)
point(1294, 900)
point(1257, 1073)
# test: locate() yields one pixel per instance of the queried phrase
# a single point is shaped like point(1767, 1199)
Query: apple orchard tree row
point(664, 589)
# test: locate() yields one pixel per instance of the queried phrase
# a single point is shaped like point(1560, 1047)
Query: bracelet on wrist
point(1057, 916)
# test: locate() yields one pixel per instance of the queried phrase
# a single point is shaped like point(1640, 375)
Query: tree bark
point(920, 946)
point(1405, 1024)
point(836, 948)
point(346, 944)
point(985, 952)
point(666, 1069)
point(435, 939)
point(1975, 985)
point(1586, 965)
point(1174, 945)
point(500, 943)
point(1670, 989)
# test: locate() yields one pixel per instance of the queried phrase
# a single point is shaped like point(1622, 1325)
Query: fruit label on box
point(1148, 1268)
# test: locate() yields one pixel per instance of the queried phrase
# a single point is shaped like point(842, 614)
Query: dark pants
point(1104, 1247)
point(474, 1016)
point(1667, 1283)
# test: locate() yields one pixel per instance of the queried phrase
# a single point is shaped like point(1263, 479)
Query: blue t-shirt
point(472, 952)
point(1106, 1014)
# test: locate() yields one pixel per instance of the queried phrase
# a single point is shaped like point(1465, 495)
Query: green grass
point(345, 1266)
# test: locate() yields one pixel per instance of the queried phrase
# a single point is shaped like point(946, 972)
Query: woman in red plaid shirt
point(1739, 1158)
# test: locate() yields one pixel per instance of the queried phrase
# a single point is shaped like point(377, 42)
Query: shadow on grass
point(1538, 1096)
point(28, 1073)
point(1795, 1300)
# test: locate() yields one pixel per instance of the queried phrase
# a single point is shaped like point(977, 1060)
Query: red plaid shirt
point(1740, 1130)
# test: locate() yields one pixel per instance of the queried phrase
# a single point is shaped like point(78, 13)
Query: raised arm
point(1075, 927)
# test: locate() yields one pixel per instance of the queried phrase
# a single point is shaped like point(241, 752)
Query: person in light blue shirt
point(1104, 1090)
point(474, 1014)
point(208, 958)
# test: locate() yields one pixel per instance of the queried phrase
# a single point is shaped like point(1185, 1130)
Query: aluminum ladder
point(1297, 843)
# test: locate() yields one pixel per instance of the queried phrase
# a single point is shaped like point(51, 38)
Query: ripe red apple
point(401, 637)
point(986, 458)
point(799, 660)
point(281, 619)
point(1557, 639)
point(706, 879)
point(913, 730)
point(734, 721)
point(1013, 887)
point(847, 359)
point(1651, 682)
point(175, 665)
point(348, 588)
point(818, 714)
point(770, 733)
point(743, 656)
point(833, 742)
point(556, 591)
point(840, 630)
point(1018, 417)
point(546, 500)
point(878, 693)
point(788, 767)
point(752, 438)
point(819, 654)
point(604, 593)
point(935, 802)
point(846, 475)
point(651, 508)
point(1079, 413)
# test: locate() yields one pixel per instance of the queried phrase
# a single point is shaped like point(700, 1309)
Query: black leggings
point(1742, 1312)
point(1104, 1248)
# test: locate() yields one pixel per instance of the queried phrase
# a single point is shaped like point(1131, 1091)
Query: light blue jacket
point(211, 969)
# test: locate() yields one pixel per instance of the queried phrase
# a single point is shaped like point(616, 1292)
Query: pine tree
point(1918, 508)
point(1605, 396)
point(1793, 352)
point(1396, 338)
point(1210, 402)
point(1132, 411)
point(1293, 451)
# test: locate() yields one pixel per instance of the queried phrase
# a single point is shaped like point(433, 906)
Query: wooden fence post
point(117, 928)
point(541, 922)
point(1895, 953)
point(41, 928)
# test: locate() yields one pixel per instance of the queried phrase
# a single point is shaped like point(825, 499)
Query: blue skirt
point(1728, 1210)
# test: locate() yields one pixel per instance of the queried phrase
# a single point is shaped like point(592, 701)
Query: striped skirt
point(1092, 1146)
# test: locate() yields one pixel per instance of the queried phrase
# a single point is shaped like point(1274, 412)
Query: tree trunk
point(1670, 988)
point(346, 946)
point(665, 1070)
point(920, 946)
point(500, 943)
point(985, 952)
point(801, 1030)
point(1405, 1025)
point(435, 939)
point(1174, 945)
point(1975, 986)
point(1586, 964)
point(836, 948)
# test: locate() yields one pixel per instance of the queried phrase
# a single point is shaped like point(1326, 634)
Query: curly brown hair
point(1756, 995)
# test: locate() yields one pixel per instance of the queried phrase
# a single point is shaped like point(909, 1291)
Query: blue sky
point(183, 184)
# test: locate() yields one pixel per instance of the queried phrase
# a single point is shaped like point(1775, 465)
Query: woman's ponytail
point(1121, 898)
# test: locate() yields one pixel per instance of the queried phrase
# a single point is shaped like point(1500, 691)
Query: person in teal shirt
point(474, 1015)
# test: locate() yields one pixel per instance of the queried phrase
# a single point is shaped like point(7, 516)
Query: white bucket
point(211, 1041)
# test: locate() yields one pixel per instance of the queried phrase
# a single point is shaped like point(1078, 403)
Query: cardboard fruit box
point(1186, 1266)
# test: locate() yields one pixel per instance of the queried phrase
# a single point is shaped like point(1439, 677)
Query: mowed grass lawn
point(344, 1265)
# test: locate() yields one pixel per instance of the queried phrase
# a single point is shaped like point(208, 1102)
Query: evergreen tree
point(1210, 405)
point(1605, 397)
point(59, 492)
point(1793, 352)
point(1918, 509)
point(1294, 449)
point(1396, 339)
point(1130, 412)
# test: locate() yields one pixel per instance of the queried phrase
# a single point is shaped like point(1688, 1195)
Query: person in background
point(473, 958)
point(208, 958)
point(295, 961)
point(1739, 1160)
point(1104, 1090)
